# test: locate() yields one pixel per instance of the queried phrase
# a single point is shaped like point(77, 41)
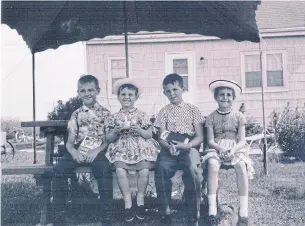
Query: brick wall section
point(222, 59)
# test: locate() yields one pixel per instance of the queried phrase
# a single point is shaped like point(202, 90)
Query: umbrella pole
point(126, 39)
point(34, 105)
point(263, 105)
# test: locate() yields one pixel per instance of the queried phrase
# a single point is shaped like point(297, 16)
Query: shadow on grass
point(21, 205)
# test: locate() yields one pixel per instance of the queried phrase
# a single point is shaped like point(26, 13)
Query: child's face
point(127, 97)
point(225, 98)
point(173, 92)
point(87, 92)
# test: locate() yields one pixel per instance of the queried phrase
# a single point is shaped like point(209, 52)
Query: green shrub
point(253, 127)
point(290, 131)
point(63, 111)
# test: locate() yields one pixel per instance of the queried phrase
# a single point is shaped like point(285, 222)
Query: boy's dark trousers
point(101, 171)
point(166, 167)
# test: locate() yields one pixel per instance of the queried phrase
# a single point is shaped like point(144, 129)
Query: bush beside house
point(289, 126)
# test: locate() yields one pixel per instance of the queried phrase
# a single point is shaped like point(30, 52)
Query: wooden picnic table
point(42, 172)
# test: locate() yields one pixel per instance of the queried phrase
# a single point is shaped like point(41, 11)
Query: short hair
point(172, 78)
point(128, 86)
point(216, 91)
point(87, 79)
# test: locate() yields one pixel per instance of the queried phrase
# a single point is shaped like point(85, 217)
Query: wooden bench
point(42, 172)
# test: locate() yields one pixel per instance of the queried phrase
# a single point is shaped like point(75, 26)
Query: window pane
point(180, 66)
point(252, 63)
point(275, 78)
point(274, 62)
point(253, 79)
point(118, 71)
point(113, 81)
point(118, 68)
point(185, 83)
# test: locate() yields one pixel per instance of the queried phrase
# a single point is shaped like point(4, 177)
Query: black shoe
point(212, 220)
point(242, 221)
point(140, 212)
point(129, 215)
point(166, 219)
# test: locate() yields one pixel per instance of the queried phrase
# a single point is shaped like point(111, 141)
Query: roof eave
point(180, 37)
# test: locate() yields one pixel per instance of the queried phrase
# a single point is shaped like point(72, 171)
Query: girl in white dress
point(227, 147)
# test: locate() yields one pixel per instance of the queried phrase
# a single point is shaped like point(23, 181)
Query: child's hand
point(134, 128)
point(118, 128)
point(228, 155)
point(91, 155)
point(173, 150)
point(180, 146)
point(77, 156)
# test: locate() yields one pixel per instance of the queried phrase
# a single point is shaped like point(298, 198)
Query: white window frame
point(109, 80)
point(283, 88)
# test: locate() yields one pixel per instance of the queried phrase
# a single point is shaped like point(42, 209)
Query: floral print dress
point(130, 150)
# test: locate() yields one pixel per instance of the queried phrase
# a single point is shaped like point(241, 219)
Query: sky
point(57, 72)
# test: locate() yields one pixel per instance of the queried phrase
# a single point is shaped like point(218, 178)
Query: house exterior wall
point(222, 60)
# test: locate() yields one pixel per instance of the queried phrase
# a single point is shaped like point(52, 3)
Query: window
point(272, 72)
point(180, 66)
point(275, 70)
point(116, 71)
point(184, 64)
point(253, 71)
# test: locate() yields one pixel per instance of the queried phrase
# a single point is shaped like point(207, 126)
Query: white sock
point(243, 204)
point(128, 201)
point(140, 199)
point(212, 204)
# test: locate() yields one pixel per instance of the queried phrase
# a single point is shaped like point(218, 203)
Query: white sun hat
point(130, 81)
point(225, 83)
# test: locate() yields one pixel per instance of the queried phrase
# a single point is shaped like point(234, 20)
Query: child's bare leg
point(212, 179)
point(143, 177)
point(124, 186)
point(242, 184)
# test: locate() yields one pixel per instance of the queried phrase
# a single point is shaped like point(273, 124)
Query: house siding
point(222, 60)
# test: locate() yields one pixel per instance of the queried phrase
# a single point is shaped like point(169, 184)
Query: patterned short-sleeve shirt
point(88, 122)
point(180, 118)
point(225, 126)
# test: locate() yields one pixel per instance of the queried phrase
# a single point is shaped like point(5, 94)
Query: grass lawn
point(276, 199)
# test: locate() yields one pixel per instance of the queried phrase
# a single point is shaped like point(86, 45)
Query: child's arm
point(163, 143)
point(76, 155)
point(91, 155)
point(113, 134)
point(212, 144)
point(198, 139)
point(241, 138)
point(145, 133)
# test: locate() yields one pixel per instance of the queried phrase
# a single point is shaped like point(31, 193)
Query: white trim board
point(154, 37)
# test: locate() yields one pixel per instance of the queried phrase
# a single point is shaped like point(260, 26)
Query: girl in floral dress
point(226, 140)
point(132, 148)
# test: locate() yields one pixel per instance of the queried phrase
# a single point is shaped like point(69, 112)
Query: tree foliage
point(63, 111)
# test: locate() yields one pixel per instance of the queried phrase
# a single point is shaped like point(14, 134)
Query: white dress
point(225, 128)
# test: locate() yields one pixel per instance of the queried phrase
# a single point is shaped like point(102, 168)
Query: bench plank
point(26, 169)
point(50, 123)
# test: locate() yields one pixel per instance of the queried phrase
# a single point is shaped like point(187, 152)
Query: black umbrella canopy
point(50, 24)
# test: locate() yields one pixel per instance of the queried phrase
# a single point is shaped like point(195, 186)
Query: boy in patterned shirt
point(184, 118)
point(86, 122)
